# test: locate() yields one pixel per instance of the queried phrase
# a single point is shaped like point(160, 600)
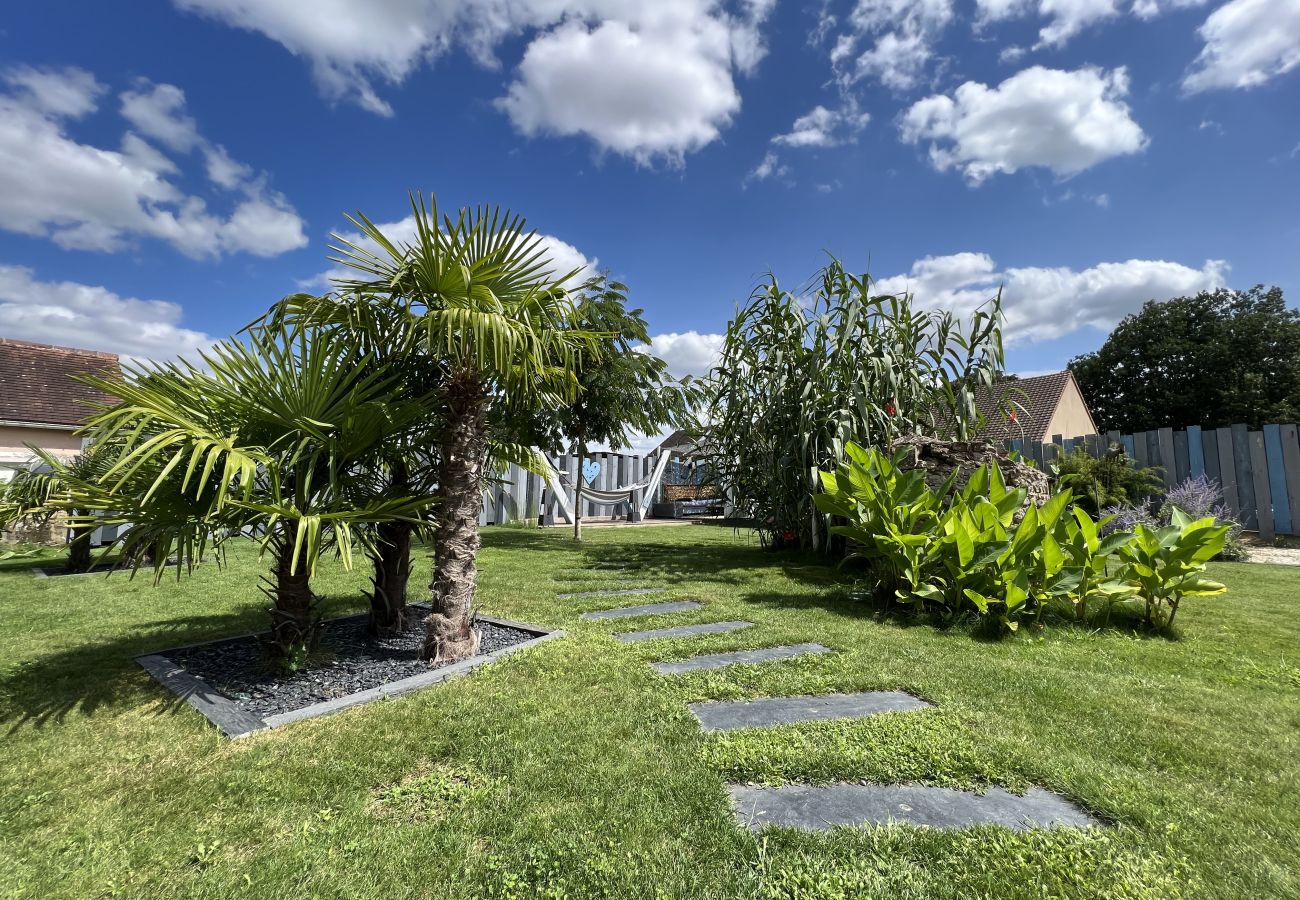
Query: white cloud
point(158, 111)
point(768, 167)
point(93, 317)
point(1063, 121)
point(686, 352)
point(639, 93)
point(59, 93)
point(824, 127)
point(1247, 42)
point(1045, 303)
point(647, 80)
point(89, 198)
point(898, 38)
point(1067, 18)
point(564, 257)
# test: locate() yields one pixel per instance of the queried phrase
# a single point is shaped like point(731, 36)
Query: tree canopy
point(1217, 358)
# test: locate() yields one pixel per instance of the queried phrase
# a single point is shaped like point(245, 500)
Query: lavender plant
point(1201, 497)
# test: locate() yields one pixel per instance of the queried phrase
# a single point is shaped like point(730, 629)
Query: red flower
point(889, 407)
point(1014, 415)
point(789, 537)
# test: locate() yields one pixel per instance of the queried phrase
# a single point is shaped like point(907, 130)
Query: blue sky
point(168, 173)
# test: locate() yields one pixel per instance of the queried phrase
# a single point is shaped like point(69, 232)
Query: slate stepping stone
point(631, 637)
point(649, 609)
point(819, 807)
point(626, 592)
point(718, 660)
point(769, 711)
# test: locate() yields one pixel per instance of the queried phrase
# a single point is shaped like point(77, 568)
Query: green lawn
point(572, 770)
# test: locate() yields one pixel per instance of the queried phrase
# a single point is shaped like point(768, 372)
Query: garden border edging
point(235, 722)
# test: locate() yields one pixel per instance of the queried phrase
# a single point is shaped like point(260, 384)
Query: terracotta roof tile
point(36, 382)
point(1039, 397)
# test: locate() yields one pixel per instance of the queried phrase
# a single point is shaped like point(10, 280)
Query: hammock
point(565, 491)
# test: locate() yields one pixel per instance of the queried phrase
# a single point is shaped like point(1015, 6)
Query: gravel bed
point(347, 661)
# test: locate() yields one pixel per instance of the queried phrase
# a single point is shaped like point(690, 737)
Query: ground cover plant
point(572, 770)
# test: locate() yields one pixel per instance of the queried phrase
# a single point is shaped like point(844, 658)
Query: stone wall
point(940, 458)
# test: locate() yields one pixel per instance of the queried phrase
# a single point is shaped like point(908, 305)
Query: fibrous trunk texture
point(451, 635)
point(392, 572)
point(79, 556)
point(295, 626)
point(939, 458)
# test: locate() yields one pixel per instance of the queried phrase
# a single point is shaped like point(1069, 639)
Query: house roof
point(678, 440)
point(1038, 398)
point(36, 382)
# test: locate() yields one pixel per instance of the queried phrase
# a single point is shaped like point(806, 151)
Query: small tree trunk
point(79, 556)
point(451, 635)
point(392, 572)
point(577, 493)
point(294, 623)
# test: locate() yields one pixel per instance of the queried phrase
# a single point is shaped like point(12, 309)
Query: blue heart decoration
point(590, 471)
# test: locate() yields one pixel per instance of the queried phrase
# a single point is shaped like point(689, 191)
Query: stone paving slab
point(649, 609)
point(626, 592)
point(631, 637)
point(819, 807)
point(718, 660)
point(769, 711)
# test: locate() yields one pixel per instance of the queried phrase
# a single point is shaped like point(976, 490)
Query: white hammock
point(565, 491)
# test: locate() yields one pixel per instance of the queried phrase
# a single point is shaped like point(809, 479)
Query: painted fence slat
point(1281, 501)
point(1227, 471)
point(1141, 453)
point(1210, 444)
point(1263, 495)
point(1245, 475)
point(1182, 461)
point(1195, 452)
point(1165, 441)
point(1291, 466)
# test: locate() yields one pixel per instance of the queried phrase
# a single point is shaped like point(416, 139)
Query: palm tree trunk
point(79, 557)
point(392, 572)
point(295, 626)
point(577, 493)
point(451, 635)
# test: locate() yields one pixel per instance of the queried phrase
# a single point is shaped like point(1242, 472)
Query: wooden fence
point(1258, 470)
point(521, 496)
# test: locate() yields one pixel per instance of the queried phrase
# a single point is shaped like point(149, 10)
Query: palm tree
point(620, 390)
point(482, 297)
point(47, 488)
point(268, 437)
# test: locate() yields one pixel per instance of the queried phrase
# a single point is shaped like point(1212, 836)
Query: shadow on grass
point(844, 599)
point(80, 680)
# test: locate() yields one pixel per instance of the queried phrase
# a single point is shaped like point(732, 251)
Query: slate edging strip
point(771, 712)
point(235, 722)
point(626, 592)
point(737, 657)
point(648, 609)
point(631, 637)
point(821, 807)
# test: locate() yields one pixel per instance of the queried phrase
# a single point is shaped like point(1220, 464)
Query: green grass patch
point(572, 770)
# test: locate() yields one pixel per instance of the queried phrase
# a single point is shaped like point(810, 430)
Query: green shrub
point(1112, 480)
point(952, 550)
point(1165, 565)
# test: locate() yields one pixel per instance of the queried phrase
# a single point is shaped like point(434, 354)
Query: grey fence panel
point(1258, 471)
point(1227, 470)
point(1195, 452)
point(1245, 475)
point(1279, 495)
point(1290, 437)
point(1165, 443)
point(1263, 496)
point(1182, 462)
point(1210, 446)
